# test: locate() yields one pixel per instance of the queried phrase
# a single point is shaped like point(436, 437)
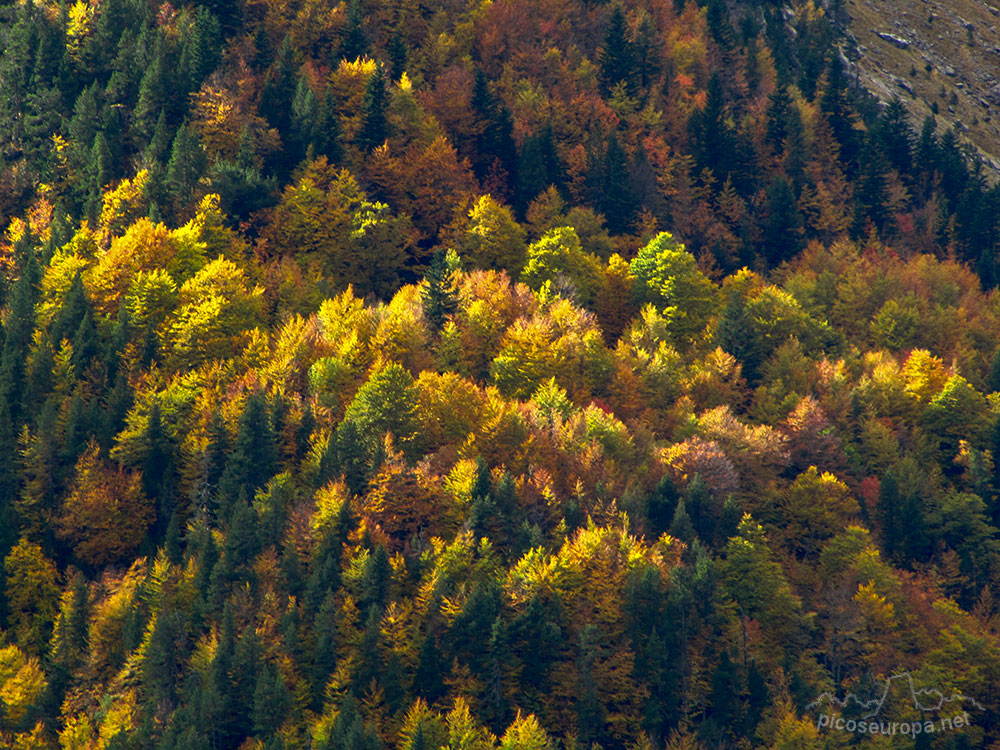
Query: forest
point(485, 375)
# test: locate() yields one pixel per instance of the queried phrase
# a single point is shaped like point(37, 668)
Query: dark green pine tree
point(375, 580)
point(158, 149)
point(428, 681)
point(75, 435)
point(951, 163)
point(126, 72)
point(324, 660)
point(9, 480)
point(661, 506)
point(681, 527)
point(499, 657)
point(278, 90)
point(836, 105)
point(925, 154)
point(20, 326)
point(271, 702)
point(737, 335)
point(374, 124)
point(16, 67)
point(185, 168)
point(99, 171)
point(201, 49)
point(590, 710)
point(71, 312)
point(995, 447)
point(327, 138)
point(84, 124)
point(698, 503)
point(783, 235)
point(538, 167)
point(173, 544)
point(617, 57)
point(162, 667)
point(346, 456)
point(871, 196)
point(40, 376)
point(895, 136)
point(254, 459)
point(305, 121)
point(216, 453)
point(725, 697)
point(779, 111)
point(157, 465)
point(611, 186)
point(438, 295)
point(398, 53)
point(349, 732)
point(154, 91)
point(117, 405)
point(353, 39)
point(495, 159)
point(86, 346)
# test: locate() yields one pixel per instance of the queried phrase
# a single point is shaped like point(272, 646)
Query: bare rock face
point(940, 57)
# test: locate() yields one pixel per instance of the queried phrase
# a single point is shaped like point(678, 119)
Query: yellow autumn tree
point(32, 594)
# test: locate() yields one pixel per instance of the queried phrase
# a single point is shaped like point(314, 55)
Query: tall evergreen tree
point(617, 57)
point(353, 39)
point(737, 334)
point(374, 124)
point(439, 295)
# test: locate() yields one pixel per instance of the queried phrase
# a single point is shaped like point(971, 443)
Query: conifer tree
point(278, 90)
point(783, 223)
point(737, 334)
point(438, 295)
point(71, 313)
point(374, 124)
point(617, 56)
point(353, 39)
point(889, 507)
point(254, 458)
point(186, 166)
point(20, 325)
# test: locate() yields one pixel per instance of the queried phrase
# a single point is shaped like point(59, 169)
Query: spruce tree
point(374, 125)
point(737, 335)
point(611, 186)
point(278, 90)
point(254, 458)
point(783, 235)
point(186, 166)
point(326, 139)
point(353, 39)
point(71, 312)
point(438, 295)
point(617, 57)
point(20, 326)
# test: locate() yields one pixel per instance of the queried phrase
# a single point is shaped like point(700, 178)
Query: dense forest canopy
point(535, 375)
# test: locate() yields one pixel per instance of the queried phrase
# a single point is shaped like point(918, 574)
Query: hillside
point(941, 58)
point(502, 375)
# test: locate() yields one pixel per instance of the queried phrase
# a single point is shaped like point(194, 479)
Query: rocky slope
point(941, 57)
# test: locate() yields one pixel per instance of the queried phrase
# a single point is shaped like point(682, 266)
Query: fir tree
point(617, 57)
point(783, 223)
point(737, 334)
point(186, 166)
point(438, 295)
point(254, 458)
point(353, 39)
point(374, 125)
